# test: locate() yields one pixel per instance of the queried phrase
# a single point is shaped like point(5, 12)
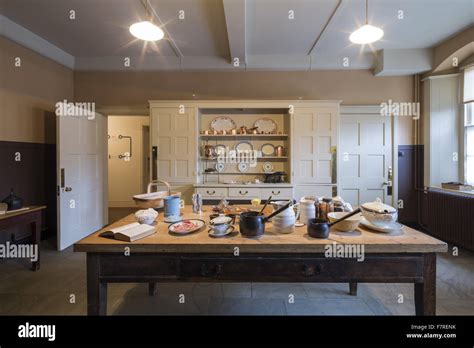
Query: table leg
point(152, 289)
point(425, 293)
point(96, 291)
point(36, 239)
point(353, 289)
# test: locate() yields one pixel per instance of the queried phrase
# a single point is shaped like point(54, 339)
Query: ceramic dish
point(243, 167)
point(267, 167)
point(222, 123)
point(186, 226)
point(220, 167)
point(229, 230)
point(243, 146)
point(350, 224)
point(267, 150)
point(393, 228)
point(220, 149)
point(266, 125)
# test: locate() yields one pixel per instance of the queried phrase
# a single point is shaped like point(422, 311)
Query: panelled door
point(173, 139)
point(366, 160)
point(82, 177)
point(314, 135)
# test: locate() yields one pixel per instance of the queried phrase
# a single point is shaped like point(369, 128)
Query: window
point(468, 99)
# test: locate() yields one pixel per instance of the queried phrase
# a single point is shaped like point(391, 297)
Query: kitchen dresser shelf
point(262, 159)
point(244, 136)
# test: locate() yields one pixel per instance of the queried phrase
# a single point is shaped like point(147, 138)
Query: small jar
point(326, 206)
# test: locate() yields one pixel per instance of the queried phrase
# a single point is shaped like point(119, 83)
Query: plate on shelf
point(243, 146)
point(186, 226)
point(222, 123)
point(267, 149)
point(243, 167)
point(266, 125)
point(220, 167)
point(220, 149)
point(267, 167)
point(395, 227)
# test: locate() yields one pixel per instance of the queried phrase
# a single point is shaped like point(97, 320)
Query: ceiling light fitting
point(146, 30)
point(367, 33)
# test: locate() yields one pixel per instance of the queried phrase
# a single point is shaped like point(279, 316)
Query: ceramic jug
point(307, 209)
point(285, 221)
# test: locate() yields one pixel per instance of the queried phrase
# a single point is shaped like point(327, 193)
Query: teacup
point(220, 224)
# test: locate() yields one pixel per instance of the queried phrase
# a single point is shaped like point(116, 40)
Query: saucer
point(394, 228)
point(228, 231)
point(173, 218)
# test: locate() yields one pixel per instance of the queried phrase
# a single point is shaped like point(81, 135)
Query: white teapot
point(285, 221)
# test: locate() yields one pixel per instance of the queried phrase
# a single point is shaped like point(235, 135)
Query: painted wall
point(29, 92)
point(125, 177)
point(353, 87)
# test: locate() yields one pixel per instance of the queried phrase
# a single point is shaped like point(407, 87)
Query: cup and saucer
point(221, 226)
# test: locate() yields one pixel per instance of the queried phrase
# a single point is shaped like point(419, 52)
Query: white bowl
point(350, 224)
point(382, 220)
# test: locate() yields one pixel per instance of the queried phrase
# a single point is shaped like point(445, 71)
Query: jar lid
point(378, 207)
point(327, 200)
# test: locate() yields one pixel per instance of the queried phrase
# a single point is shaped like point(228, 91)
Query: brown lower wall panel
point(33, 179)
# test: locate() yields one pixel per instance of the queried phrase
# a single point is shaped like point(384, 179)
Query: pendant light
point(367, 33)
point(146, 30)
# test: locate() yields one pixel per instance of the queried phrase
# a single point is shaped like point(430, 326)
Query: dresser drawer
point(277, 193)
point(244, 192)
point(217, 192)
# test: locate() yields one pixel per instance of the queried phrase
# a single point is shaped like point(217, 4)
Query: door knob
point(68, 189)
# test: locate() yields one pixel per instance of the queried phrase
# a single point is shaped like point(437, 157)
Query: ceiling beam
point(160, 23)
point(234, 11)
point(324, 28)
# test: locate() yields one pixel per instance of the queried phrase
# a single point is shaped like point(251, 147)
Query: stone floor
point(63, 276)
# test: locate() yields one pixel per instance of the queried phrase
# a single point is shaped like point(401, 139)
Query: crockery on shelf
point(220, 149)
point(268, 149)
point(267, 167)
point(222, 123)
point(243, 167)
point(220, 167)
point(244, 146)
point(266, 125)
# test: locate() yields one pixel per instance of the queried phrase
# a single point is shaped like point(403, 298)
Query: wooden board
point(407, 241)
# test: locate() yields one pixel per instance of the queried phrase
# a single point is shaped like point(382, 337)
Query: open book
point(130, 232)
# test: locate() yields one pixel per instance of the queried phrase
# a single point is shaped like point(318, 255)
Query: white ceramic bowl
point(382, 220)
point(350, 224)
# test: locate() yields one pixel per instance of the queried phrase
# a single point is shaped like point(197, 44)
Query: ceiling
point(213, 32)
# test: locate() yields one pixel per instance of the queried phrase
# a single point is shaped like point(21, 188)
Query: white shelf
point(244, 136)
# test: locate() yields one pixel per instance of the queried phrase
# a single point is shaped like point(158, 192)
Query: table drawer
point(217, 192)
point(244, 192)
point(277, 193)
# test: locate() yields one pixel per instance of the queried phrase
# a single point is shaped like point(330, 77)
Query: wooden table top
point(406, 241)
point(22, 211)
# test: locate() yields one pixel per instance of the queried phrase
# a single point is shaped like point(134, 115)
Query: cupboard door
point(173, 133)
point(314, 136)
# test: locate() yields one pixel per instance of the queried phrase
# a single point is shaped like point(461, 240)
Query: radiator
point(449, 217)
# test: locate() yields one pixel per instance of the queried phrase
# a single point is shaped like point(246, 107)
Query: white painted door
point(174, 137)
point(82, 177)
point(366, 148)
point(314, 134)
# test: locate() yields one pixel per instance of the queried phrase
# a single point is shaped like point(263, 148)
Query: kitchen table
point(26, 216)
point(408, 256)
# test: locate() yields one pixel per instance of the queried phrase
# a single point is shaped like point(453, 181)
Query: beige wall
point(126, 177)
point(356, 87)
point(28, 94)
